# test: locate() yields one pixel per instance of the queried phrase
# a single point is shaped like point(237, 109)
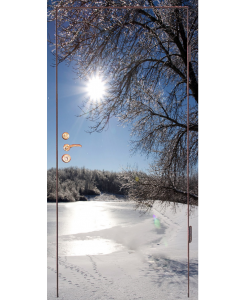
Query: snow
point(109, 250)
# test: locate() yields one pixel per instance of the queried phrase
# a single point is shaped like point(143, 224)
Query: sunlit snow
point(108, 250)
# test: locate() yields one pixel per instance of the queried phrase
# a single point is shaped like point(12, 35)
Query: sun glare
point(96, 88)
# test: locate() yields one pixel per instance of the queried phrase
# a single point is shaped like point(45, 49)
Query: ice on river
point(109, 250)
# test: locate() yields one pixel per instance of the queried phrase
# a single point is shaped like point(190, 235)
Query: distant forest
point(75, 183)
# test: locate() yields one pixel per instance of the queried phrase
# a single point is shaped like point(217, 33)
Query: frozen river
point(83, 227)
point(108, 250)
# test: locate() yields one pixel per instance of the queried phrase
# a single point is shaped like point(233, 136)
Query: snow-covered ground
point(108, 250)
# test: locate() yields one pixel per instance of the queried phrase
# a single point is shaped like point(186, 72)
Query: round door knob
point(66, 158)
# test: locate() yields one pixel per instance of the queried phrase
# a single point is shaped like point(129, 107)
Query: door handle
point(67, 147)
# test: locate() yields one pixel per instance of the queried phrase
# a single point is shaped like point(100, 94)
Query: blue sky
point(109, 150)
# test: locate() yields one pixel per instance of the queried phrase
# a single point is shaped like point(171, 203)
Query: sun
point(96, 88)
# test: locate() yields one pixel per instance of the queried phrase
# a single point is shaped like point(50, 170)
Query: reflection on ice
point(91, 246)
point(84, 217)
point(96, 228)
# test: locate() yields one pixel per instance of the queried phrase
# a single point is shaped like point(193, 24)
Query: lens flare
point(157, 222)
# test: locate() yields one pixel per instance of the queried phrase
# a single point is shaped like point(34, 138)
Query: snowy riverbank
point(107, 250)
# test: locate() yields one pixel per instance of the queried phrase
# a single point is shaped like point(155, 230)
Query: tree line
point(75, 183)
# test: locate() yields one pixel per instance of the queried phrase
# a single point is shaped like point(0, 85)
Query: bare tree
point(142, 53)
point(145, 189)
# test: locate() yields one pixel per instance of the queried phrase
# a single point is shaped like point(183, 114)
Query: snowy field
point(108, 250)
